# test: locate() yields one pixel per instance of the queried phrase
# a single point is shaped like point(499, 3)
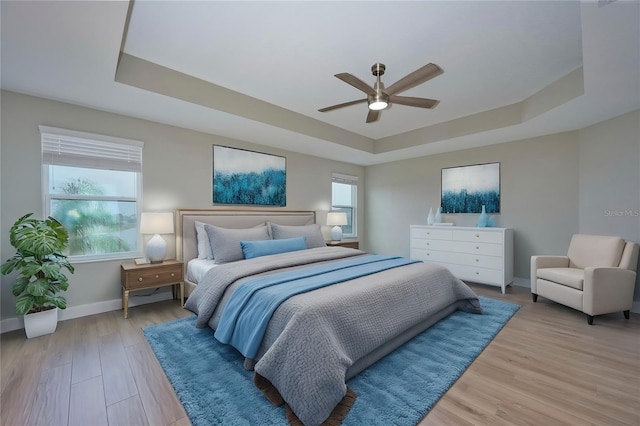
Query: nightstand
point(348, 244)
point(151, 275)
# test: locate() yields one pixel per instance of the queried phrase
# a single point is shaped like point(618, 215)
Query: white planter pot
point(41, 323)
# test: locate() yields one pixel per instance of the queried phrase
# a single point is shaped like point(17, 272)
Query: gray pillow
point(225, 242)
point(312, 232)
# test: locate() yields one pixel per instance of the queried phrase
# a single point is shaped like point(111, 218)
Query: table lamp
point(336, 219)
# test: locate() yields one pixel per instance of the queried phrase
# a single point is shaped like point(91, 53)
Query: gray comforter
point(313, 338)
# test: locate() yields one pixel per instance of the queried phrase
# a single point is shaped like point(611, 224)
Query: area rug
point(400, 389)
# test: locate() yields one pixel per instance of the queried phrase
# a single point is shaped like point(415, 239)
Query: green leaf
point(24, 304)
point(19, 286)
point(38, 287)
point(51, 269)
point(58, 301)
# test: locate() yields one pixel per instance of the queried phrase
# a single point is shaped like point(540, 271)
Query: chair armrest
point(607, 290)
point(540, 262)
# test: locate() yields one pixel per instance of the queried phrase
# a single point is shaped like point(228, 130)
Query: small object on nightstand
point(136, 277)
point(348, 244)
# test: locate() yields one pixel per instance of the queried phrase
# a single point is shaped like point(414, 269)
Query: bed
point(334, 310)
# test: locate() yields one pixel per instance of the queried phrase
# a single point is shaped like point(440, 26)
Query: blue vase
point(483, 220)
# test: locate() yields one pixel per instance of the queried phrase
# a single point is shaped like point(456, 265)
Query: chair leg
point(590, 319)
point(534, 297)
point(626, 314)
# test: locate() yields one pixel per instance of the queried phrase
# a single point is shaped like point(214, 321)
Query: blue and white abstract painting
point(248, 177)
point(466, 189)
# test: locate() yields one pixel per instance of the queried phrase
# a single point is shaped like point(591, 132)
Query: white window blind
point(78, 149)
point(346, 179)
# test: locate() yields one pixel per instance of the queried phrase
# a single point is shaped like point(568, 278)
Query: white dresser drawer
point(483, 249)
point(478, 275)
point(430, 233)
point(458, 247)
point(478, 236)
point(487, 262)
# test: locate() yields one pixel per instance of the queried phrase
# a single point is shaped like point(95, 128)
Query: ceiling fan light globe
point(378, 105)
point(378, 102)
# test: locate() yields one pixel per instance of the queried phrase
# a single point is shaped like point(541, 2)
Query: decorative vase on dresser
point(481, 256)
point(483, 220)
point(438, 218)
point(430, 217)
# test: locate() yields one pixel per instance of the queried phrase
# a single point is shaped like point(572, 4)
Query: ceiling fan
point(378, 98)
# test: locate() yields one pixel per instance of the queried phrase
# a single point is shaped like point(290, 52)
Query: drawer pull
point(477, 235)
point(156, 276)
point(140, 279)
point(477, 260)
point(477, 273)
point(173, 274)
point(477, 248)
point(428, 233)
point(427, 243)
point(428, 254)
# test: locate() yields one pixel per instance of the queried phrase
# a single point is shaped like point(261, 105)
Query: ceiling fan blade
point(414, 102)
point(373, 116)
point(419, 76)
point(346, 104)
point(356, 82)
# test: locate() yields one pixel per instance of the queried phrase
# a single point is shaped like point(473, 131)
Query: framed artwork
point(248, 177)
point(466, 189)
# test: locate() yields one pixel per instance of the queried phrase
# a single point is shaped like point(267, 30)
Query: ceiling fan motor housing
point(377, 69)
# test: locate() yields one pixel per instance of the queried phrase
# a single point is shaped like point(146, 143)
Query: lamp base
point(336, 233)
point(156, 249)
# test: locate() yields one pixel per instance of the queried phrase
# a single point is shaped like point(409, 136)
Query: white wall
point(177, 173)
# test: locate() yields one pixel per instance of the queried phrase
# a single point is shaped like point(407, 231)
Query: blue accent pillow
point(252, 249)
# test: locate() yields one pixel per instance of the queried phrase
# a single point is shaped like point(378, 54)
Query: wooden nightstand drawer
point(140, 279)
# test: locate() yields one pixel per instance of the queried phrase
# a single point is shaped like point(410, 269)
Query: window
point(344, 198)
point(92, 184)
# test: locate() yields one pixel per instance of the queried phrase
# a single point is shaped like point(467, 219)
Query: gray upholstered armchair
point(597, 276)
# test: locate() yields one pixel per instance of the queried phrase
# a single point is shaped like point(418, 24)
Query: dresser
point(481, 255)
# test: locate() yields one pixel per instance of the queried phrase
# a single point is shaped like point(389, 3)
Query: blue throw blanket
point(248, 311)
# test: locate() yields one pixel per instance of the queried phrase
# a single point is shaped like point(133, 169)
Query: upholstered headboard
point(187, 244)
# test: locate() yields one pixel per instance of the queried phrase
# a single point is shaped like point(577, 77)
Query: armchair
point(597, 276)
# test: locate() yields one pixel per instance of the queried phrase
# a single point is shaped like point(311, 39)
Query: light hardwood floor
point(546, 367)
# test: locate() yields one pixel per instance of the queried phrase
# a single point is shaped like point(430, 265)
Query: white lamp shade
point(336, 218)
point(156, 223)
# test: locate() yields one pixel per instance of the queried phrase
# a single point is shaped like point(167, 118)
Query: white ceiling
point(278, 60)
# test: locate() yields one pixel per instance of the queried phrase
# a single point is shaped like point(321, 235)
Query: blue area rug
point(400, 389)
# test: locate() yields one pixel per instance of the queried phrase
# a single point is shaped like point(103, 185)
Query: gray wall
point(177, 173)
point(551, 188)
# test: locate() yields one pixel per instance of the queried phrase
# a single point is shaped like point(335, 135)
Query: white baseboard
point(521, 282)
point(16, 323)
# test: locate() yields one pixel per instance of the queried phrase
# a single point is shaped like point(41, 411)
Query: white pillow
point(204, 246)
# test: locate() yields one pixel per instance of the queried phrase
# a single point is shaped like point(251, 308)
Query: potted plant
point(39, 260)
